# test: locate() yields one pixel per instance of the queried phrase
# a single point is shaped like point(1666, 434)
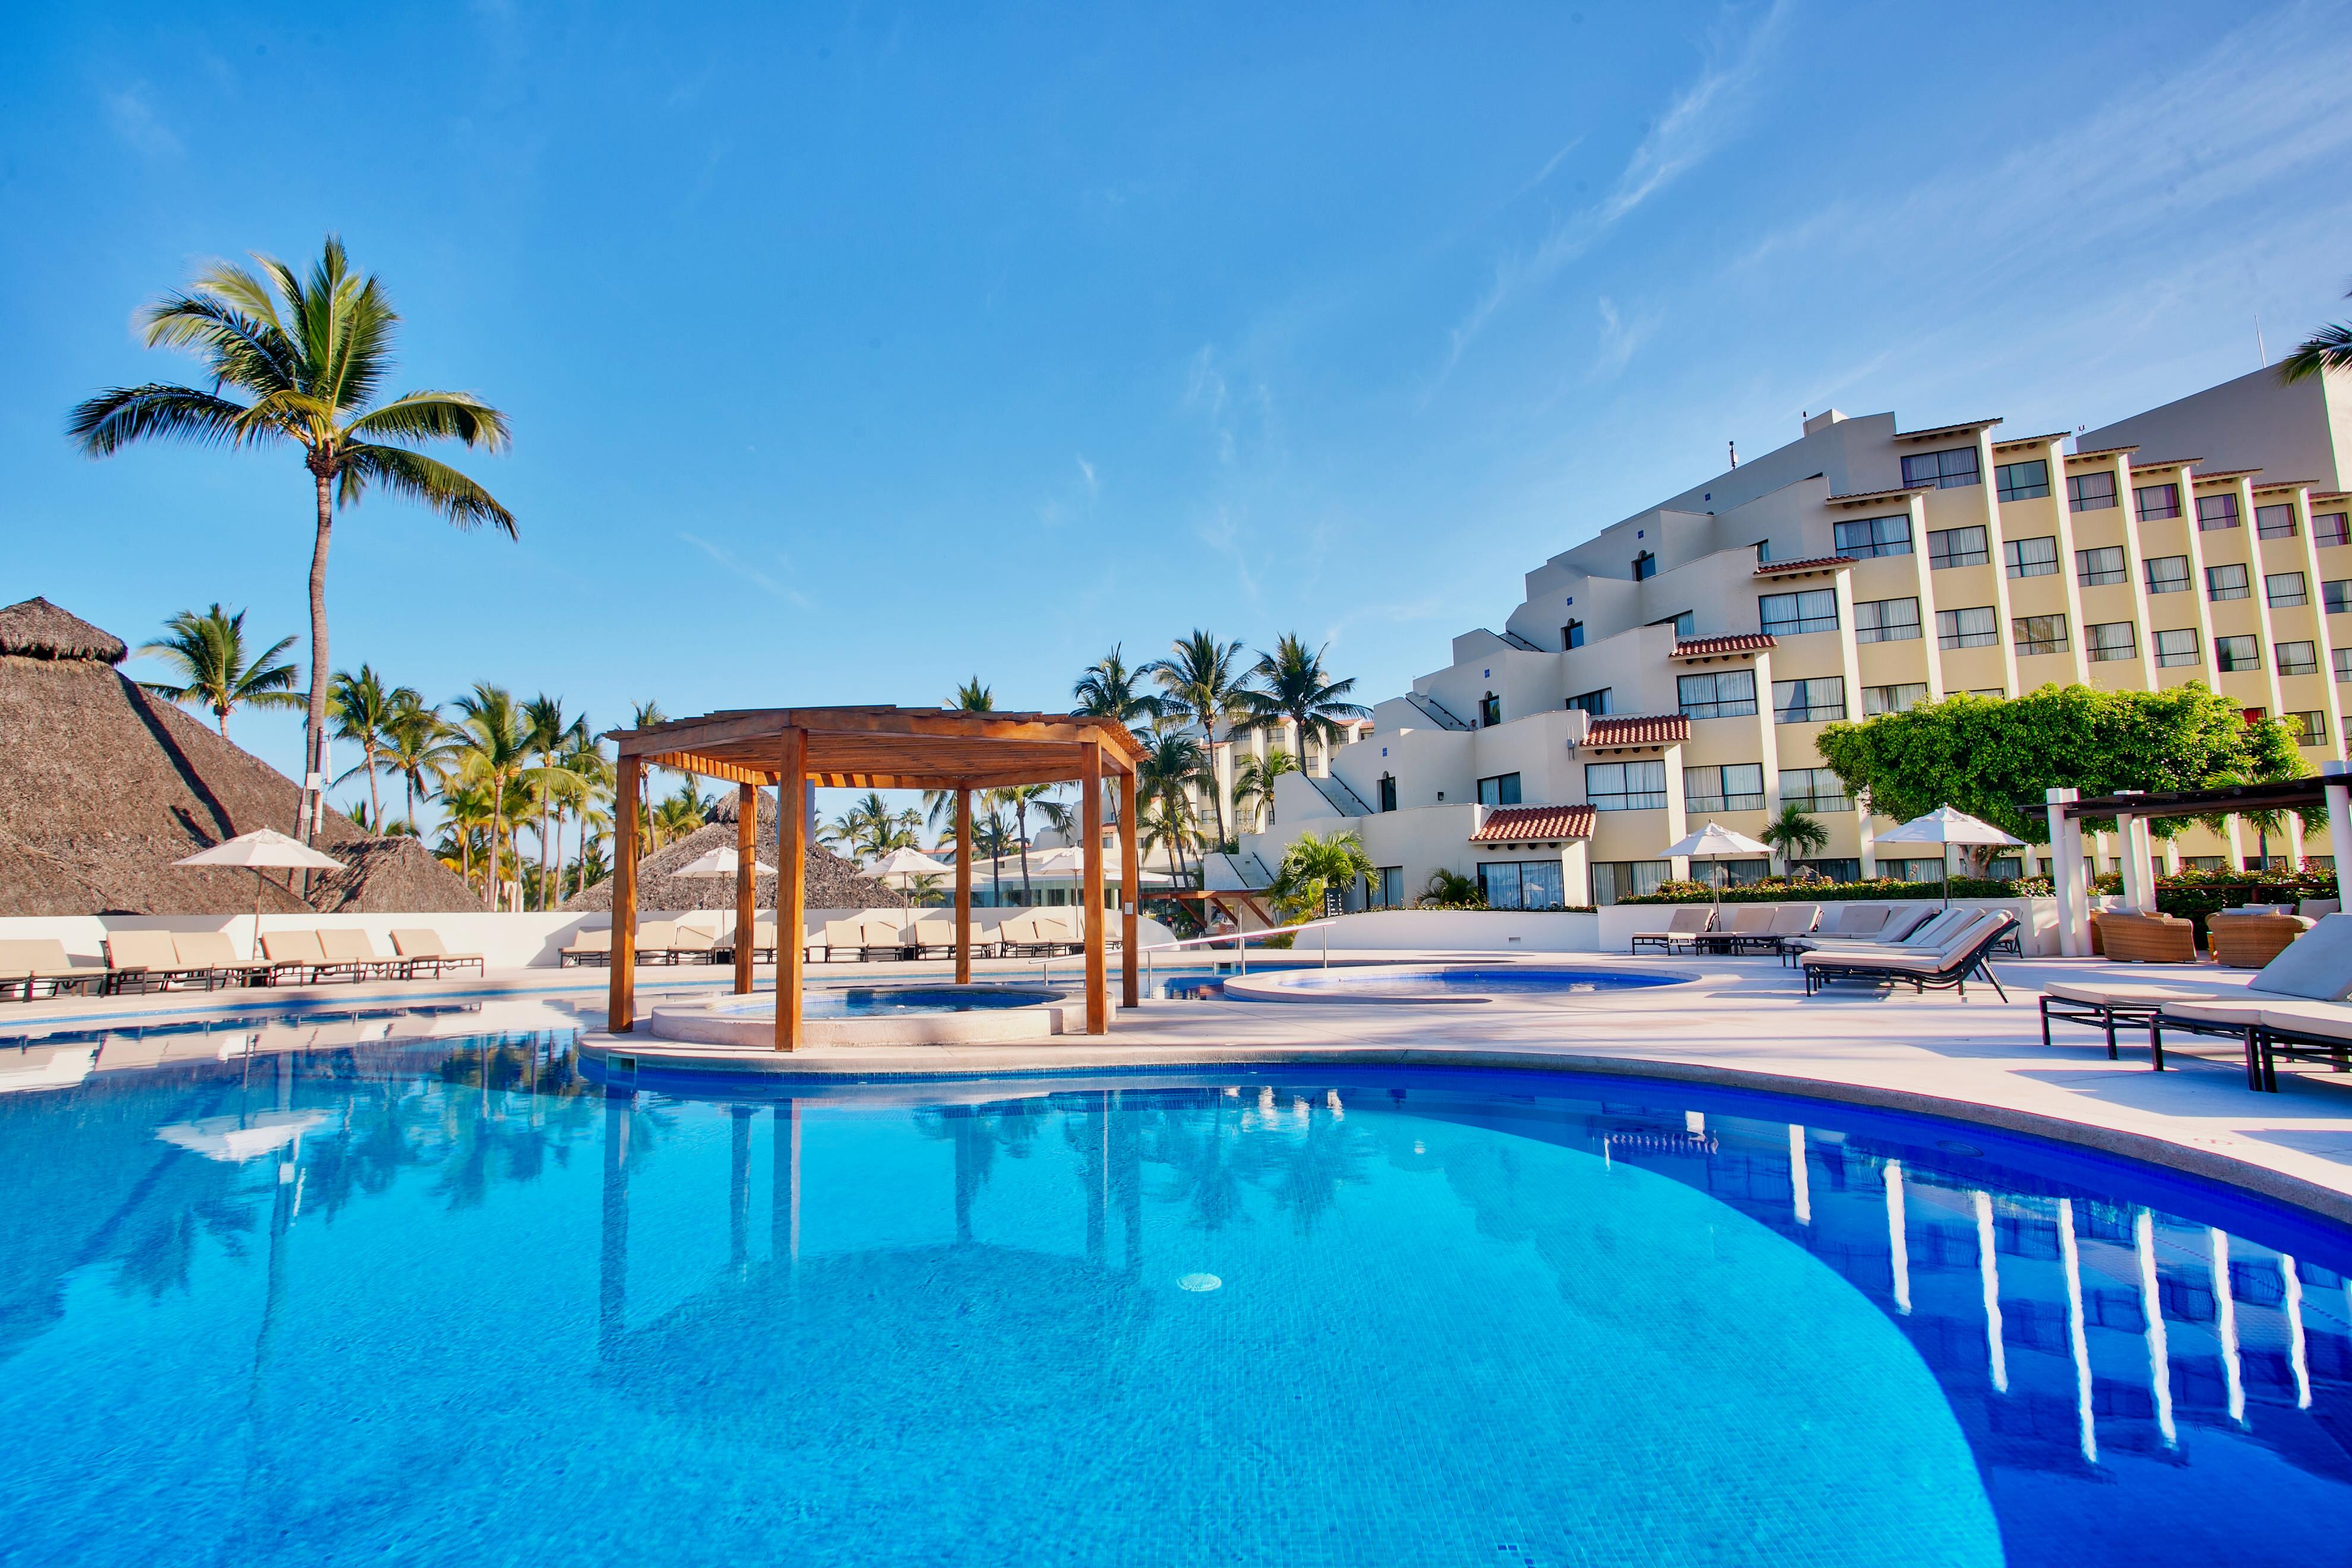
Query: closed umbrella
point(265, 848)
point(1944, 827)
point(1715, 844)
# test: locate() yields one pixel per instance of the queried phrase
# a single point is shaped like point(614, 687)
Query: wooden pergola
point(875, 748)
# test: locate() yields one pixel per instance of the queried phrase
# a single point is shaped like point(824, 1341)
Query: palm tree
point(364, 711)
point(313, 355)
point(1312, 867)
point(2329, 348)
point(417, 745)
point(495, 742)
point(209, 651)
point(583, 780)
point(550, 733)
point(647, 714)
point(1171, 760)
point(1205, 683)
point(1794, 834)
point(869, 829)
point(1110, 690)
point(1021, 798)
point(465, 810)
point(680, 814)
point(1293, 684)
point(971, 697)
point(1253, 783)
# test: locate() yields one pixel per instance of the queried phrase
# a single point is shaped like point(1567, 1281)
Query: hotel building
point(1678, 666)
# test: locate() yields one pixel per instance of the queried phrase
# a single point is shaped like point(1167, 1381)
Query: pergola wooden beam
point(879, 748)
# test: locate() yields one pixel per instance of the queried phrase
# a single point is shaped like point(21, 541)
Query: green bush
point(1790, 889)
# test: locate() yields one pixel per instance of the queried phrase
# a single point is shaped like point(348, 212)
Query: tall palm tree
point(584, 779)
point(1293, 684)
point(971, 697)
point(494, 743)
point(550, 733)
point(647, 715)
point(466, 808)
point(1253, 784)
point(417, 745)
point(869, 829)
point(1110, 690)
point(209, 651)
point(363, 713)
point(312, 354)
point(1206, 683)
point(1020, 799)
point(1171, 760)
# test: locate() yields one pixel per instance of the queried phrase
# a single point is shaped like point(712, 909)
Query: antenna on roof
point(1735, 452)
point(2261, 353)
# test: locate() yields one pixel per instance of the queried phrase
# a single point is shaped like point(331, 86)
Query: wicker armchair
point(2249, 941)
point(2144, 939)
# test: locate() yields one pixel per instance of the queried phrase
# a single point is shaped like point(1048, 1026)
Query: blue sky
point(856, 351)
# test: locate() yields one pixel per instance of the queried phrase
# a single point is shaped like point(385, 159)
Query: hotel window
point(2040, 634)
point(2100, 567)
point(2296, 657)
point(1490, 709)
point(2308, 729)
point(1593, 702)
point(2285, 590)
point(2031, 557)
point(1734, 786)
point(2226, 583)
point(2238, 653)
point(1386, 790)
point(1645, 566)
point(2154, 501)
point(1571, 634)
point(2343, 656)
point(1390, 883)
point(2089, 493)
point(1955, 547)
point(1813, 789)
point(1997, 693)
point(2274, 523)
point(1848, 869)
point(2330, 528)
point(1887, 620)
point(2176, 648)
point(1625, 787)
point(2023, 481)
point(1902, 699)
point(1979, 627)
point(2109, 641)
point(1787, 614)
point(2217, 511)
point(1503, 789)
point(2337, 597)
point(1947, 470)
point(1869, 536)
point(2167, 573)
point(1808, 702)
point(1685, 625)
point(1520, 884)
point(1729, 694)
point(1615, 879)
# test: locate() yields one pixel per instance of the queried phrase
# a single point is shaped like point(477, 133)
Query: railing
point(1347, 801)
point(1516, 640)
point(1240, 940)
point(1433, 709)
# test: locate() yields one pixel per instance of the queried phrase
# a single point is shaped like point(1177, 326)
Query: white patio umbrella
point(721, 862)
point(1715, 844)
point(1944, 826)
point(264, 849)
point(905, 865)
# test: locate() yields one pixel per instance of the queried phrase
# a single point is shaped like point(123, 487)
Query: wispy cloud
point(1086, 471)
point(1550, 164)
point(1619, 338)
point(735, 567)
point(132, 113)
point(1700, 118)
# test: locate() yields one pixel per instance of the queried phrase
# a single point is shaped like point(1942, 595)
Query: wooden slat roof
point(887, 748)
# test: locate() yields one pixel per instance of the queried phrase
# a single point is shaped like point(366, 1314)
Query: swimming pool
point(1441, 983)
point(453, 1303)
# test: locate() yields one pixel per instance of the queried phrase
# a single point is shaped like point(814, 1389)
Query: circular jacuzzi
point(878, 1015)
point(1443, 983)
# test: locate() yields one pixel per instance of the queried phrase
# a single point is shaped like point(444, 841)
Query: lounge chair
point(422, 947)
point(1750, 923)
point(1034, 936)
point(144, 961)
point(1906, 931)
point(344, 944)
point(657, 943)
point(211, 951)
point(1856, 920)
point(2294, 1005)
point(2316, 967)
point(300, 954)
point(1683, 928)
point(1944, 966)
point(693, 944)
point(29, 964)
point(936, 939)
point(867, 939)
point(587, 948)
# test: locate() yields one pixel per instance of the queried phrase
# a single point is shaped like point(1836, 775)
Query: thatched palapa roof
point(832, 882)
point(103, 785)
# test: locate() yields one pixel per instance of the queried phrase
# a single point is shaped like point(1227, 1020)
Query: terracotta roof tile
point(1966, 427)
point(1810, 563)
point(1871, 498)
point(1522, 824)
point(1737, 642)
point(1642, 730)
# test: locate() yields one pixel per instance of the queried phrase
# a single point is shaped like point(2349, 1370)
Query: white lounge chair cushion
point(292, 947)
point(2316, 966)
point(346, 946)
point(209, 949)
point(2329, 1020)
point(2227, 1012)
point(141, 949)
point(1859, 919)
point(1794, 919)
point(2098, 992)
point(598, 941)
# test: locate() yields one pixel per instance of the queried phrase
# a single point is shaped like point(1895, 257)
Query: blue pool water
point(454, 1303)
point(872, 1001)
point(1381, 981)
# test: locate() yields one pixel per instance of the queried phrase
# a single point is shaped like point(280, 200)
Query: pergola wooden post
point(1130, 895)
point(875, 748)
point(621, 1015)
point(747, 882)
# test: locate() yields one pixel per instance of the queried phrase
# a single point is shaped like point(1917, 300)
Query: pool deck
point(1741, 1021)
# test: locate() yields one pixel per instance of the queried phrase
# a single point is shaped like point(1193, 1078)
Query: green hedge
point(1775, 890)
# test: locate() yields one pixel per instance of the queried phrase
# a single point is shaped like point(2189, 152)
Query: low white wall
point(2037, 918)
point(1463, 930)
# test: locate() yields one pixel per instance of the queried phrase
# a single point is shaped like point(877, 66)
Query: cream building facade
point(1678, 666)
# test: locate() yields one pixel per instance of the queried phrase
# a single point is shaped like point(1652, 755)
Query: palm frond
point(240, 350)
point(114, 418)
point(2330, 347)
point(436, 415)
point(417, 478)
point(364, 321)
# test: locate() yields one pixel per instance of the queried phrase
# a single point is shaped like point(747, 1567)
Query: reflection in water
point(1453, 1309)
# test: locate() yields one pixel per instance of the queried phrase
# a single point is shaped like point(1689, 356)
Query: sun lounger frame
point(1820, 967)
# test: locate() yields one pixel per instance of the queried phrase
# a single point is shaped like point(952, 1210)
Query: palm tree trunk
point(1021, 820)
point(544, 761)
point(1217, 790)
point(314, 737)
point(375, 800)
point(491, 882)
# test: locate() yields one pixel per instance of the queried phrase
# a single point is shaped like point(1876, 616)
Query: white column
point(2225, 1325)
point(2137, 895)
point(2075, 1329)
point(2339, 777)
point(1799, 1179)
point(1988, 1270)
point(1895, 1242)
point(2066, 875)
point(2159, 1364)
point(2298, 1353)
